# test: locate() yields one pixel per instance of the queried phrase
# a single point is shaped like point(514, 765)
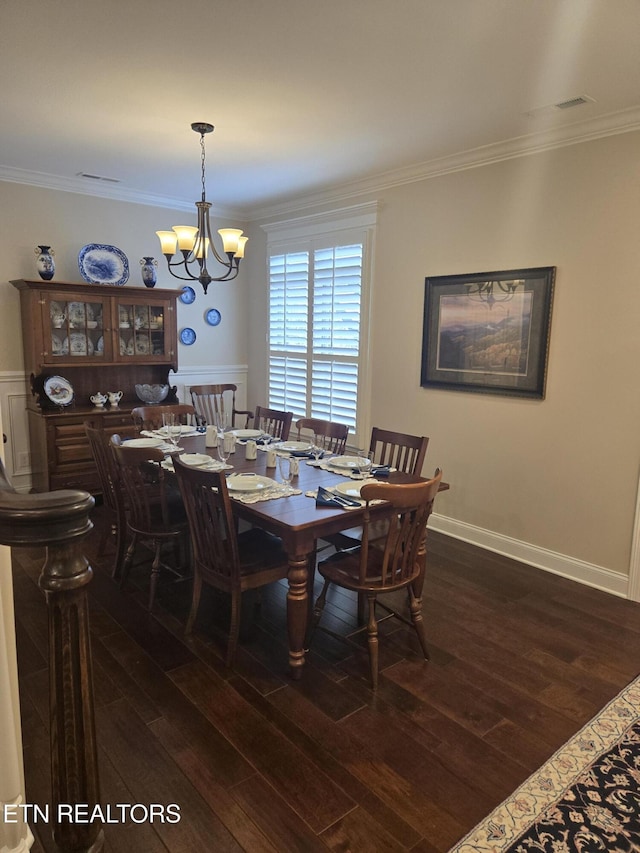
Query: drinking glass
point(284, 465)
point(364, 463)
point(172, 428)
point(223, 452)
point(316, 452)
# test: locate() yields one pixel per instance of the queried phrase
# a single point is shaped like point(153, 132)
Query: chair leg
point(415, 607)
point(120, 550)
point(234, 628)
point(155, 574)
point(372, 640)
point(317, 613)
point(195, 602)
point(128, 560)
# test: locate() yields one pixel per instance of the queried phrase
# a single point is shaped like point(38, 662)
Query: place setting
point(248, 487)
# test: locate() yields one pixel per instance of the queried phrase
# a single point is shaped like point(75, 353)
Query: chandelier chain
point(202, 158)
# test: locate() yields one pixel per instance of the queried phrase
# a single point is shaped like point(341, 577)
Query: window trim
point(346, 225)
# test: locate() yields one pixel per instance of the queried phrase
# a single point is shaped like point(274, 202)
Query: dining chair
point(112, 493)
point(223, 558)
point(398, 449)
point(211, 401)
point(150, 417)
point(375, 571)
point(152, 518)
point(273, 422)
point(331, 436)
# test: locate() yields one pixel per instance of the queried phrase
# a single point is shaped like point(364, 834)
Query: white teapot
point(114, 397)
point(57, 319)
point(98, 400)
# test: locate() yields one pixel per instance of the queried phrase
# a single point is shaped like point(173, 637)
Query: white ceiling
point(306, 95)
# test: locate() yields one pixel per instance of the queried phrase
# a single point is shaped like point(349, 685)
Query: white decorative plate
point(248, 482)
point(59, 347)
point(126, 348)
point(79, 313)
point(144, 442)
point(143, 347)
point(247, 433)
point(349, 488)
point(292, 445)
point(59, 390)
point(345, 461)
point(196, 459)
point(100, 263)
point(78, 344)
point(100, 345)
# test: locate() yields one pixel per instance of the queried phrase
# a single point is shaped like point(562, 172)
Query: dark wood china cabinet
point(81, 339)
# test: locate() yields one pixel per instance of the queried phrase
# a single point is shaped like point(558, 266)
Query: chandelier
point(483, 291)
point(194, 243)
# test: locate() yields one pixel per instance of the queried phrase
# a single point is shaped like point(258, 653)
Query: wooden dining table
point(299, 523)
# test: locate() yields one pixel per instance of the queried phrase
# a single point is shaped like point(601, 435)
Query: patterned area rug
point(586, 798)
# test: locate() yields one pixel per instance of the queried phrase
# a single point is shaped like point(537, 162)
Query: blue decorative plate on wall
point(187, 336)
point(188, 295)
point(213, 317)
point(103, 264)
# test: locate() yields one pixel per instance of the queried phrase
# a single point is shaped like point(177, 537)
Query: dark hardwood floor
point(520, 660)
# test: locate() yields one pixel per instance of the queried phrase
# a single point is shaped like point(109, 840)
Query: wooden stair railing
point(60, 521)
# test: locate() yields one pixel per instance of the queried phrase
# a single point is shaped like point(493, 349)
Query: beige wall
point(560, 474)
point(68, 221)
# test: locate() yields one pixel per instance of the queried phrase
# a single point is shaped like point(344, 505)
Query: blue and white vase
point(149, 275)
point(44, 262)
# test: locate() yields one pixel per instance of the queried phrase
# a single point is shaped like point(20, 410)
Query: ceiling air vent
point(98, 178)
point(573, 102)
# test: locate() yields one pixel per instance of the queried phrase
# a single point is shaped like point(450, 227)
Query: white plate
point(248, 482)
point(196, 459)
point(144, 442)
point(78, 344)
point(344, 461)
point(58, 347)
point(247, 433)
point(143, 347)
point(293, 445)
point(185, 429)
point(350, 489)
point(59, 390)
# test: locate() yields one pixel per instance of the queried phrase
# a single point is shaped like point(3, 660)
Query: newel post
point(60, 521)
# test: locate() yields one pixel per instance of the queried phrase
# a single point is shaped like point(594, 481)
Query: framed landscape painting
point(488, 332)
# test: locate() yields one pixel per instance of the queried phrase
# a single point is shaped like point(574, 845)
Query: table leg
point(297, 612)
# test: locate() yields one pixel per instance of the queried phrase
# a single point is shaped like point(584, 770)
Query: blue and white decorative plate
point(187, 336)
point(102, 264)
point(188, 295)
point(213, 316)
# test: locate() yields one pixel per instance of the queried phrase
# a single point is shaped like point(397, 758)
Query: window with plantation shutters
point(317, 328)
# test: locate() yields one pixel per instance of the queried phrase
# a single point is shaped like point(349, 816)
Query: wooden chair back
point(329, 435)
point(398, 562)
point(399, 450)
point(213, 401)
point(143, 483)
point(100, 444)
point(212, 527)
point(273, 422)
point(150, 417)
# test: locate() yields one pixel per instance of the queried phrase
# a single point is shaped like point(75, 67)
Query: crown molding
point(82, 186)
point(534, 143)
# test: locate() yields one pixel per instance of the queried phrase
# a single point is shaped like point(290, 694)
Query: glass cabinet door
point(141, 329)
point(75, 329)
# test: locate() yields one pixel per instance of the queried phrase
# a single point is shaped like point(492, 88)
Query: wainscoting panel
point(14, 393)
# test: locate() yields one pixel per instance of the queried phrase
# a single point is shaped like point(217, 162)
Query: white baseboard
point(559, 564)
